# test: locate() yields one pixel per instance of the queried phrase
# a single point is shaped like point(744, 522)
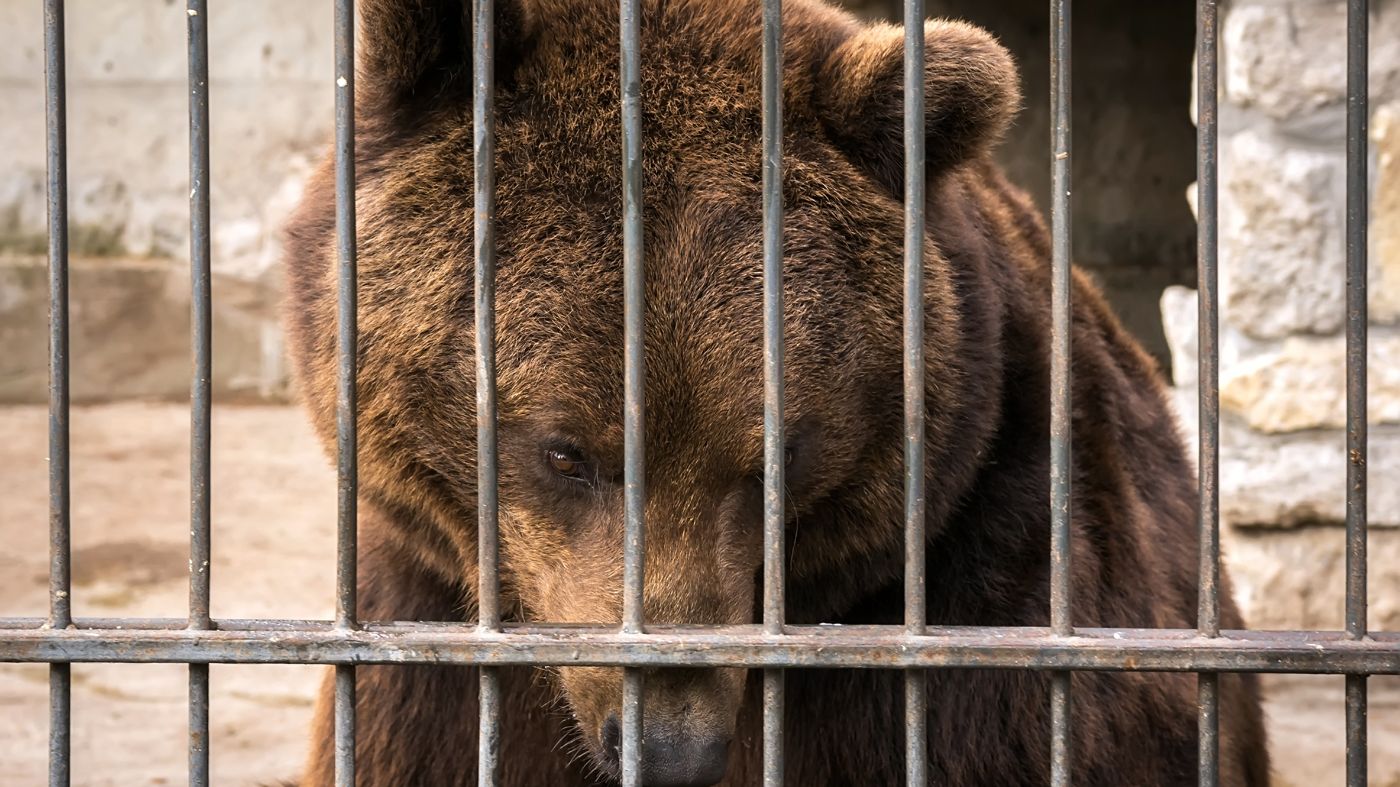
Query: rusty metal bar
point(1208, 322)
point(634, 420)
point(1061, 392)
point(774, 435)
point(201, 392)
point(1358, 111)
point(1061, 707)
point(632, 727)
point(487, 470)
point(874, 647)
point(915, 502)
point(484, 228)
point(347, 355)
point(60, 510)
point(488, 744)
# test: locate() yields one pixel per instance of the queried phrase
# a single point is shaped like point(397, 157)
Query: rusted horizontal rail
point(305, 642)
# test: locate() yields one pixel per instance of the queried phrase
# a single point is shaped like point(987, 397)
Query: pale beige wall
point(271, 109)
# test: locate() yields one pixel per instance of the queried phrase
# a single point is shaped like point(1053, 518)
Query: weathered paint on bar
point(1357, 214)
point(60, 531)
point(347, 355)
point(880, 647)
point(201, 393)
point(1208, 327)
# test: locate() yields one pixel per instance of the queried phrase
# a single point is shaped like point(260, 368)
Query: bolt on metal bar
point(487, 471)
point(60, 520)
point(201, 394)
point(1357, 207)
point(347, 355)
point(1061, 621)
point(1208, 325)
point(774, 434)
point(634, 417)
point(915, 502)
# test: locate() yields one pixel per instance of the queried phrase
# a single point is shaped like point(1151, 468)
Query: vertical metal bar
point(487, 523)
point(1061, 621)
point(631, 727)
point(1207, 253)
point(60, 550)
point(1208, 728)
point(344, 725)
point(347, 357)
point(1356, 730)
point(774, 436)
point(634, 417)
point(633, 283)
point(1207, 249)
point(201, 322)
point(488, 743)
point(915, 595)
point(1358, 30)
point(773, 710)
point(1060, 734)
point(1060, 391)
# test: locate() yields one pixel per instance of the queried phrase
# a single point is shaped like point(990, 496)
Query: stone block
point(1385, 216)
point(1282, 256)
point(1296, 479)
point(1285, 59)
point(1288, 60)
point(1296, 579)
point(1300, 383)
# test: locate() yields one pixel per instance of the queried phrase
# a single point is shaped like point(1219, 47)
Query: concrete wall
point(271, 104)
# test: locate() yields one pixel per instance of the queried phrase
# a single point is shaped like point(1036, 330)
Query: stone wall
point(1282, 349)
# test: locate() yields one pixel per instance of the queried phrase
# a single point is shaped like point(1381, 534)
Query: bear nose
point(670, 758)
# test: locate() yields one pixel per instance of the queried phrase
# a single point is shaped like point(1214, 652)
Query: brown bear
point(560, 337)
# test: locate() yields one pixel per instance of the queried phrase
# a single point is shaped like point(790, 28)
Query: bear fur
point(560, 375)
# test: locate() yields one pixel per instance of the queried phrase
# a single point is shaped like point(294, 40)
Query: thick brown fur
point(559, 326)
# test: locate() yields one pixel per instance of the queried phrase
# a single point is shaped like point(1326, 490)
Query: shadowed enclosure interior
point(771, 645)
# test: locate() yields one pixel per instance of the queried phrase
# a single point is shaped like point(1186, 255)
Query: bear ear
point(415, 52)
point(970, 95)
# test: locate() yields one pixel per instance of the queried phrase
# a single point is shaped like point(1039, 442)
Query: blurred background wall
point(128, 144)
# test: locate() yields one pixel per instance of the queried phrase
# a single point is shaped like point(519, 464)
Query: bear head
point(559, 315)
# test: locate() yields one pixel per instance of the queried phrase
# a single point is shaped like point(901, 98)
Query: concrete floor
point(273, 503)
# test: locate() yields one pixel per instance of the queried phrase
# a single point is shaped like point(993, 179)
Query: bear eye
point(566, 462)
point(787, 457)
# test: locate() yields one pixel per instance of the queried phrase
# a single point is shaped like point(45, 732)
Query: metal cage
point(198, 641)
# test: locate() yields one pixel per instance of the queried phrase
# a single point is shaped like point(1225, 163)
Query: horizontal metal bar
point(300, 642)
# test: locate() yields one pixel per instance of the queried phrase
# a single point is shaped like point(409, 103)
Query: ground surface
point(273, 502)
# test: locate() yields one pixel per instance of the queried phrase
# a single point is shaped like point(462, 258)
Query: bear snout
point(688, 720)
point(670, 757)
